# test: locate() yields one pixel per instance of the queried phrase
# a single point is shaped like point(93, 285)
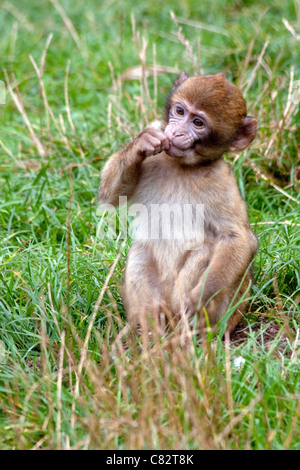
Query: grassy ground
point(72, 98)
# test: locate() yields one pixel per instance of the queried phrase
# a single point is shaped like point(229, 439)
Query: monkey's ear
point(246, 134)
point(179, 80)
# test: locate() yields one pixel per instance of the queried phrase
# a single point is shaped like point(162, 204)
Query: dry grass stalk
point(181, 38)
point(284, 222)
point(18, 15)
point(136, 72)
point(68, 107)
point(237, 419)
point(295, 345)
point(290, 28)
point(115, 103)
point(290, 107)
point(20, 106)
point(69, 26)
point(141, 44)
point(39, 72)
point(6, 149)
point(293, 427)
point(255, 68)
point(83, 354)
point(59, 384)
point(262, 175)
point(200, 25)
point(242, 79)
point(13, 41)
point(228, 376)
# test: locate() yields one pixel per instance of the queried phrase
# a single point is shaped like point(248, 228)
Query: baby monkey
point(207, 268)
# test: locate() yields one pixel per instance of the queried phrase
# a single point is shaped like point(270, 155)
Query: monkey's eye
point(179, 110)
point(198, 122)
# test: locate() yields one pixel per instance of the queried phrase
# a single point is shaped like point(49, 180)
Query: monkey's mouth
point(177, 150)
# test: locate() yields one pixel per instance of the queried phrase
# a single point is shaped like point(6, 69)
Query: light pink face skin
point(186, 125)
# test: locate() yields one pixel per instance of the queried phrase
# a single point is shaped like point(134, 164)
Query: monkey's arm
point(120, 176)
point(122, 171)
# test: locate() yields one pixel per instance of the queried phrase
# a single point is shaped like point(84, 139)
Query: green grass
point(65, 386)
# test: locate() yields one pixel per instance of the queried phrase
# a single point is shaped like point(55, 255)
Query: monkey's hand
point(150, 142)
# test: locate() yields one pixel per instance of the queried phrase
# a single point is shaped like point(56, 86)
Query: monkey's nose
point(179, 134)
point(172, 132)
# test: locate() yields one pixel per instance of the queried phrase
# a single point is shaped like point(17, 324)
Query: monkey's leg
point(196, 291)
point(228, 296)
point(142, 292)
point(228, 267)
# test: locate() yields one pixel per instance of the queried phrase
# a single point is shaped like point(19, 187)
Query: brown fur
point(175, 277)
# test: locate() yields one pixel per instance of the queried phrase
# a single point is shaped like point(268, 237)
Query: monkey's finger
point(158, 134)
point(165, 143)
point(148, 149)
point(157, 145)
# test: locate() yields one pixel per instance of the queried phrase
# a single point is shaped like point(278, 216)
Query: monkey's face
point(204, 117)
point(186, 129)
